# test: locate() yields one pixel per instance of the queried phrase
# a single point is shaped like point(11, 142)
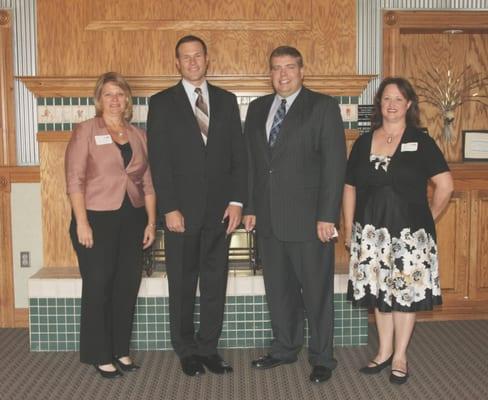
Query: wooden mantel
point(68, 86)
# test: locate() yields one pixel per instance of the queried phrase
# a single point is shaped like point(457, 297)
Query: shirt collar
point(190, 88)
point(289, 100)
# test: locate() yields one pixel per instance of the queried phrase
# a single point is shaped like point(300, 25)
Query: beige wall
point(26, 235)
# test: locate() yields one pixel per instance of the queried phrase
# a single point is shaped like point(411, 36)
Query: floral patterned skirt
point(393, 273)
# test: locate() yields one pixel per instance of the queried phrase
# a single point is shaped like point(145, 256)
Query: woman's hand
point(347, 239)
point(149, 235)
point(85, 234)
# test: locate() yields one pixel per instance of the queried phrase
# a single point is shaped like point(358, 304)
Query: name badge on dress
point(103, 139)
point(412, 146)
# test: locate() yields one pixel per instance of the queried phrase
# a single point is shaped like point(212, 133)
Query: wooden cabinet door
point(453, 247)
point(478, 289)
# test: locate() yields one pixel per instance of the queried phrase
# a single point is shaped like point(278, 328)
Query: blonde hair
point(118, 80)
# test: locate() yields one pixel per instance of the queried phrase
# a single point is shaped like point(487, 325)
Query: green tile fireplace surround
point(55, 299)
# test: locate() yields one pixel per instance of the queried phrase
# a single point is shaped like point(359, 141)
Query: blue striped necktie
point(277, 122)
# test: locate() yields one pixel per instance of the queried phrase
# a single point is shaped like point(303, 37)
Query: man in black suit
point(297, 159)
point(198, 162)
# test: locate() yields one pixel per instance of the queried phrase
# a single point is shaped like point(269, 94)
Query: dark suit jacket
point(98, 171)
point(188, 176)
point(300, 181)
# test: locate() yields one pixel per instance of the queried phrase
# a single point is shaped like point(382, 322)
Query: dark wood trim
point(6, 262)
point(420, 21)
point(51, 86)
point(21, 319)
point(397, 22)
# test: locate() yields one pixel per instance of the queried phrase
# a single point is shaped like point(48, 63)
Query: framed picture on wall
point(475, 145)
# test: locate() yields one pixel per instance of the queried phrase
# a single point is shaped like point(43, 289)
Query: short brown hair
point(118, 80)
point(190, 38)
point(286, 51)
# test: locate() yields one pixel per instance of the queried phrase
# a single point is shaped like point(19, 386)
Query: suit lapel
point(263, 118)
point(186, 110)
point(291, 123)
point(214, 108)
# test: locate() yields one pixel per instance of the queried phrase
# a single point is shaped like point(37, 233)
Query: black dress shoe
point(320, 374)
point(191, 366)
point(268, 361)
point(399, 379)
point(126, 367)
point(108, 374)
point(215, 364)
point(378, 367)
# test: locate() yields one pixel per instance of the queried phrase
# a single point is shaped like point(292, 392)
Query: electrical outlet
point(25, 259)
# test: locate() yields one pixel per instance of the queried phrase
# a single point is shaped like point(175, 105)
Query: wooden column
point(56, 210)
point(7, 130)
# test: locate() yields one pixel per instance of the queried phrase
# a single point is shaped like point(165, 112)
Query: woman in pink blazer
point(114, 218)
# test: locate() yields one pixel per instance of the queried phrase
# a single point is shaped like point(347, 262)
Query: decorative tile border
point(61, 113)
point(54, 323)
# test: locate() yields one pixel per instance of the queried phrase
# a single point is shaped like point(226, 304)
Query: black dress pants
point(111, 273)
point(299, 280)
point(189, 256)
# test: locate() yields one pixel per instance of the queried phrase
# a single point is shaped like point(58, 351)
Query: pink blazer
point(96, 168)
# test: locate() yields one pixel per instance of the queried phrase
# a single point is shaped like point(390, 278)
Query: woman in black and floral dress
point(389, 223)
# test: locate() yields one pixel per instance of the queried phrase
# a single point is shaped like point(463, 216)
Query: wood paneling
point(56, 210)
point(479, 223)
point(423, 52)
point(452, 235)
point(196, 25)
point(7, 128)
point(414, 43)
point(80, 38)
point(344, 85)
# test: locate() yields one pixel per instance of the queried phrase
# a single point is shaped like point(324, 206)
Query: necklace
point(390, 137)
point(116, 132)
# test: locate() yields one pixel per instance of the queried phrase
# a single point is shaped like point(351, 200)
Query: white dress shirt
point(192, 96)
point(274, 107)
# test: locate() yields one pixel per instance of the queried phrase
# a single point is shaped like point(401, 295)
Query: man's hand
point(175, 221)
point(249, 222)
point(325, 231)
point(233, 213)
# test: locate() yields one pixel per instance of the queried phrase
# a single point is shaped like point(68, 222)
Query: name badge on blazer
point(412, 146)
point(103, 139)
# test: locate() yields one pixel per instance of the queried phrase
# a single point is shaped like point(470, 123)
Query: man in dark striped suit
point(297, 158)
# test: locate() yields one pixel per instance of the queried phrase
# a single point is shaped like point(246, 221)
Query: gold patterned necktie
point(201, 112)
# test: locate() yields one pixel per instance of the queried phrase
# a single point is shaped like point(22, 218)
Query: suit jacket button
point(270, 171)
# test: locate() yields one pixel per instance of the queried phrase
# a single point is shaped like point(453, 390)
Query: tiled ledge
point(64, 282)
point(55, 307)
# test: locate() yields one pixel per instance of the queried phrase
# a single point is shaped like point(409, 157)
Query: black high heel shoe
point(378, 367)
point(126, 367)
point(108, 374)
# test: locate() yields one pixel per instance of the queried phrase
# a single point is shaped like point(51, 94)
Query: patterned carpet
point(448, 360)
